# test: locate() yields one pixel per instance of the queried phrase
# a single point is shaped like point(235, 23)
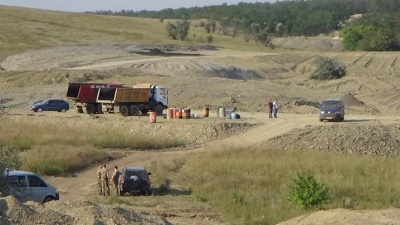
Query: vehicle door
point(49, 105)
point(38, 188)
point(19, 187)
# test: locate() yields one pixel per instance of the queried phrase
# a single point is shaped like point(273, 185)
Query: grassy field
point(251, 185)
point(57, 150)
point(27, 29)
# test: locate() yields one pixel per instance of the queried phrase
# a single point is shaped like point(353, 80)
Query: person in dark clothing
point(270, 107)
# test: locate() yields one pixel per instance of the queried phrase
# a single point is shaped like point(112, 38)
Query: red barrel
point(179, 114)
point(153, 117)
point(206, 112)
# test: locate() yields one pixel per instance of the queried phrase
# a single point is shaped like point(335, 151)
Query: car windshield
point(330, 104)
point(139, 173)
point(38, 102)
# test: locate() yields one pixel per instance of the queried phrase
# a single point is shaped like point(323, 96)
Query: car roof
point(54, 99)
point(9, 172)
point(333, 99)
point(135, 168)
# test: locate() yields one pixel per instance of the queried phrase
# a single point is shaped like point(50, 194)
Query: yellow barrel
point(170, 112)
point(153, 117)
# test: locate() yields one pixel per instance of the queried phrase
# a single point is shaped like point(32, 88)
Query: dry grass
point(27, 29)
point(60, 149)
point(251, 185)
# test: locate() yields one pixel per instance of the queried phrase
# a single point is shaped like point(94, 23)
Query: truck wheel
point(99, 109)
point(79, 109)
point(124, 110)
point(91, 108)
point(134, 110)
point(159, 109)
point(144, 112)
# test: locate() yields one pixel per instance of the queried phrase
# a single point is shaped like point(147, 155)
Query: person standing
point(105, 188)
point(270, 107)
point(275, 108)
point(99, 177)
point(115, 178)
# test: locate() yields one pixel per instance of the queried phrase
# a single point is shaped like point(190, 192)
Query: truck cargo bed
point(124, 95)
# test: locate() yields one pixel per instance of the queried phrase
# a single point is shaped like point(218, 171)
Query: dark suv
point(134, 180)
point(331, 109)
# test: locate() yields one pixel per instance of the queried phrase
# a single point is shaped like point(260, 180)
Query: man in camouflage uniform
point(99, 177)
point(105, 188)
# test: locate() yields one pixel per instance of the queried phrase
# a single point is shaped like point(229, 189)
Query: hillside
point(41, 51)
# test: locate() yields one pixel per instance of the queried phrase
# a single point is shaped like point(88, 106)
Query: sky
point(117, 5)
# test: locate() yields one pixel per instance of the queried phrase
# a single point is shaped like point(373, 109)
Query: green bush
point(307, 192)
point(327, 69)
point(9, 158)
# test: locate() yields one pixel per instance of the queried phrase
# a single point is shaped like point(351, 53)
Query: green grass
point(27, 29)
point(56, 150)
point(251, 186)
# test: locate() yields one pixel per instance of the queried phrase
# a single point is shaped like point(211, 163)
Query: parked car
point(331, 109)
point(134, 180)
point(50, 105)
point(27, 186)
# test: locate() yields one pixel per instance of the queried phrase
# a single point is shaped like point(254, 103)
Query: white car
point(27, 186)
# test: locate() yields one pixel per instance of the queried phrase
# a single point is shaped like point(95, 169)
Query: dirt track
point(222, 77)
point(83, 185)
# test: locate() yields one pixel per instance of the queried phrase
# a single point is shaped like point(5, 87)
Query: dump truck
point(84, 96)
point(133, 101)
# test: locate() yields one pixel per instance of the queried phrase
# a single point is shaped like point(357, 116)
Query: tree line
point(377, 29)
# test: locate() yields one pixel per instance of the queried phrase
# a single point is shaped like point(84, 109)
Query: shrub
point(307, 192)
point(8, 159)
point(327, 69)
point(179, 29)
point(210, 39)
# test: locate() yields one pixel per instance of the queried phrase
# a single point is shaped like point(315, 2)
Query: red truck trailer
point(84, 96)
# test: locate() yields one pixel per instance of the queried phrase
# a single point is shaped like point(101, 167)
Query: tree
point(369, 38)
point(327, 69)
point(235, 24)
point(179, 29)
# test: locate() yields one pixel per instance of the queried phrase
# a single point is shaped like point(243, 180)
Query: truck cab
point(160, 94)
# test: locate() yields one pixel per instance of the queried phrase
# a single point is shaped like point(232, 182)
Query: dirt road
point(83, 185)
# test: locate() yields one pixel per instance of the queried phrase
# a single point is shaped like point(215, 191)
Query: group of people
point(273, 108)
point(104, 179)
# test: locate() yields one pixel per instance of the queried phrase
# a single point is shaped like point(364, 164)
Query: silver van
point(27, 186)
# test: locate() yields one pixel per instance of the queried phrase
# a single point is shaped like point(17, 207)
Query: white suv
point(27, 186)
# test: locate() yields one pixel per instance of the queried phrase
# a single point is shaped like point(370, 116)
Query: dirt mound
point(376, 140)
point(320, 42)
point(349, 100)
point(345, 217)
point(76, 212)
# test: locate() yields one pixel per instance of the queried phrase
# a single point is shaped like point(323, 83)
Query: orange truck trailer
point(133, 101)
